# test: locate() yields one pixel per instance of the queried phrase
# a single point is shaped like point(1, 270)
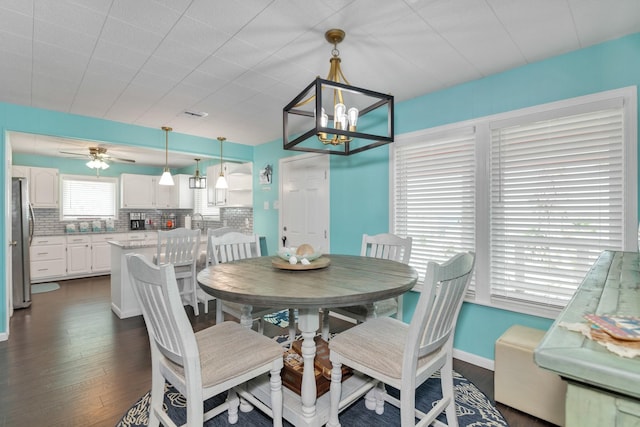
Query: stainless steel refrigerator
point(21, 233)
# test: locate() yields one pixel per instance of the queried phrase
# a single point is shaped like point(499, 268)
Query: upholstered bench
point(520, 383)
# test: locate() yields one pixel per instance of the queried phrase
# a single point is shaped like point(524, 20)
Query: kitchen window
point(211, 213)
point(88, 197)
point(536, 193)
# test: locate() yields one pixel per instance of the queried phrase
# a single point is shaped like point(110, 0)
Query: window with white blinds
point(556, 203)
point(201, 206)
point(434, 195)
point(537, 193)
point(88, 197)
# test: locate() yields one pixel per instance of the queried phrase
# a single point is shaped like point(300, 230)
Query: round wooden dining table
point(346, 280)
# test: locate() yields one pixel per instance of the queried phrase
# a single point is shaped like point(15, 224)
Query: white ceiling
point(146, 62)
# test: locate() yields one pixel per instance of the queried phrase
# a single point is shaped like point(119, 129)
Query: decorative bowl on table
point(287, 253)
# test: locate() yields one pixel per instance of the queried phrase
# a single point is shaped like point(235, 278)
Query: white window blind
point(434, 195)
point(88, 197)
point(200, 203)
point(556, 203)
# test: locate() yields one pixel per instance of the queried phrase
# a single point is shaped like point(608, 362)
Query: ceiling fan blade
point(118, 159)
point(74, 154)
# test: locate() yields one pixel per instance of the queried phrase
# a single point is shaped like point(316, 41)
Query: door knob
point(13, 243)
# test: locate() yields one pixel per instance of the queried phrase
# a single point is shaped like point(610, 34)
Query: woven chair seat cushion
point(228, 350)
point(377, 344)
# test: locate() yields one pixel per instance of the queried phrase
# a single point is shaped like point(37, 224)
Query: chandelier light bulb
point(339, 111)
point(353, 118)
point(324, 119)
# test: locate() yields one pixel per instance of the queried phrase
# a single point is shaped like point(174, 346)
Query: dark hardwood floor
point(70, 361)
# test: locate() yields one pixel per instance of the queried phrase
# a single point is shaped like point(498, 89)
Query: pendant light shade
point(166, 178)
point(222, 181)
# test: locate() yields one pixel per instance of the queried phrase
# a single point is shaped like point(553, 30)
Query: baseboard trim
point(474, 359)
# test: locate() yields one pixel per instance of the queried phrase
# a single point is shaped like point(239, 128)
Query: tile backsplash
point(48, 220)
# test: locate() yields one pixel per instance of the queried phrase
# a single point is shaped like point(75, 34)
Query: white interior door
point(304, 201)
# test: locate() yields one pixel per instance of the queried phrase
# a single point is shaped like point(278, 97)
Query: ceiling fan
point(99, 159)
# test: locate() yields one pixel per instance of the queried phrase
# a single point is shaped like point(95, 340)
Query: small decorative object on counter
point(84, 227)
point(110, 225)
point(71, 228)
point(96, 226)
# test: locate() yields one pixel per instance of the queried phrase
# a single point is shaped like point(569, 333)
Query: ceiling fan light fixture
point(345, 120)
point(221, 182)
point(166, 178)
point(197, 181)
point(97, 164)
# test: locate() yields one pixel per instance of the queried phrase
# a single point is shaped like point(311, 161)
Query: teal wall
point(359, 184)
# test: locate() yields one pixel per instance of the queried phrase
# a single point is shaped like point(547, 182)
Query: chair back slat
point(178, 247)
point(436, 314)
point(234, 246)
point(216, 232)
point(157, 292)
point(387, 246)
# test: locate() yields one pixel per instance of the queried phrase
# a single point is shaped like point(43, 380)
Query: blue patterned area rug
point(473, 407)
point(281, 318)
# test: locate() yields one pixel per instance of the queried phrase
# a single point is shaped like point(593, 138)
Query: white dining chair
point(383, 246)
point(405, 355)
point(236, 246)
point(203, 364)
point(202, 296)
point(180, 247)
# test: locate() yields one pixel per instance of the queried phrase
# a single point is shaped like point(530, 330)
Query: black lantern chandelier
point(331, 116)
point(197, 181)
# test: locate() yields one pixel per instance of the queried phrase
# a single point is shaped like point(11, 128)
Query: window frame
point(86, 178)
point(482, 125)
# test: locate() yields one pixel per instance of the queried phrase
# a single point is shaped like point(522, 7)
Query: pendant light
point(222, 181)
point(166, 178)
point(197, 181)
point(344, 119)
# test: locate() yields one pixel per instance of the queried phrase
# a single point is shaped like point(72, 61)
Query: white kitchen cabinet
point(240, 179)
point(43, 184)
point(78, 255)
point(239, 176)
point(48, 258)
point(183, 195)
point(101, 252)
point(20, 171)
point(165, 195)
point(144, 192)
point(137, 191)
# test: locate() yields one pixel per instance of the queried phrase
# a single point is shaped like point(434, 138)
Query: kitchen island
point(123, 300)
